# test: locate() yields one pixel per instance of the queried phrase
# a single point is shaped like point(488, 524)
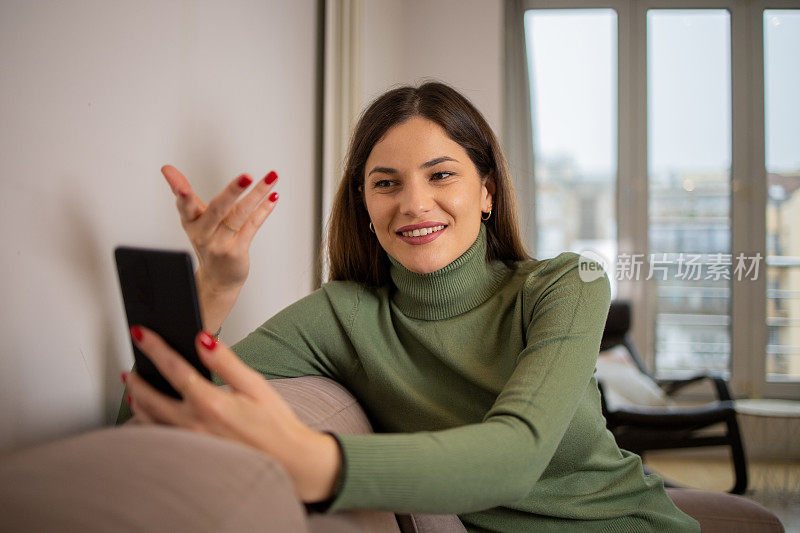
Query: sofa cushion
point(430, 523)
point(624, 385)
point(325, 405)
point(725, 513)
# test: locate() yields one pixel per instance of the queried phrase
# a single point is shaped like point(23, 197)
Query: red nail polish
point(207, 340)
point(271, 177)
point(136, 333)
point(129, 399)
point(273, 197)
point(244, 181)
point(124, 377)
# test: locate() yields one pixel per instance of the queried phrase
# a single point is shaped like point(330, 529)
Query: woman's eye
point(384, 184)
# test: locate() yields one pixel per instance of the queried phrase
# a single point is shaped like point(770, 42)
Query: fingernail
point(183, 194)
point(207, 340)
point(273, 197)
point(129, 399)
point(245, 180)
point(136, 333)
point(124, 377)
point(271, 177)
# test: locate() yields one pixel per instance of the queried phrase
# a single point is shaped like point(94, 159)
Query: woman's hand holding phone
point(221, 233)
point(250, 412)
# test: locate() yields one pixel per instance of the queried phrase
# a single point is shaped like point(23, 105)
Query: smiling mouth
point(422, 232)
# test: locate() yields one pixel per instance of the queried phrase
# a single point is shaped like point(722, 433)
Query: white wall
point(459, 42)
point(95, 97)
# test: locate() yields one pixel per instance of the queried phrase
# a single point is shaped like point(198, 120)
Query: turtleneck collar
point(465, 283)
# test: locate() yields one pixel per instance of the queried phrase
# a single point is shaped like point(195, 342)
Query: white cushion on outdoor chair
point(624, 385)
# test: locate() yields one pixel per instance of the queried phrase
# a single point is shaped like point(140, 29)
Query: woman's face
point(416, 175)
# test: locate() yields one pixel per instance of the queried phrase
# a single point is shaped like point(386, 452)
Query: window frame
point(748, 169)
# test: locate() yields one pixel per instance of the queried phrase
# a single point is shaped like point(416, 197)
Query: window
point(572, 59)
point(782, 133)
point(671, 130)
point(689, 165)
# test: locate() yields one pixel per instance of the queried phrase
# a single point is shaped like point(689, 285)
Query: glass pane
point(689, 160)
point(782, 116)
point(572, 63)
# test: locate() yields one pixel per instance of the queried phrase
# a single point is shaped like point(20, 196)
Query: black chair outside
point(647, 428)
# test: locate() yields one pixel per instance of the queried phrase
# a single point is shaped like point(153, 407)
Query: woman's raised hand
point(221, 233)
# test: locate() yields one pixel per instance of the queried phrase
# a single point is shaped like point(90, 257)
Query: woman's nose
point(415, 199)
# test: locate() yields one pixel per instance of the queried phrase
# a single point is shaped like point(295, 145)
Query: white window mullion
point(747, 315)
point(757, 176)
point(632, 197)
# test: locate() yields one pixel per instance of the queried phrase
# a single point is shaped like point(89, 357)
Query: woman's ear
point(490, 185)
point(363, 197)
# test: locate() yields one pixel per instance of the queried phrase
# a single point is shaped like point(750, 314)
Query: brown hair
point(355, 254)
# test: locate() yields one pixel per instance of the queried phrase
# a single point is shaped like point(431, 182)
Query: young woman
point(473, 361)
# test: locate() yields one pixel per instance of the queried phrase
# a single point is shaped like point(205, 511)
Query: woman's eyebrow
point(434, 162)
point(427, 164)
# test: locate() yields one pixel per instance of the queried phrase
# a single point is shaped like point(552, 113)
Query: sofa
point(137, 478)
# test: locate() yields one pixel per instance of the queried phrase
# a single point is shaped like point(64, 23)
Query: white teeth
point(421, 232)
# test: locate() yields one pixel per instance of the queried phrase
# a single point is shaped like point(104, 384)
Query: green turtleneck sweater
point(479, 381)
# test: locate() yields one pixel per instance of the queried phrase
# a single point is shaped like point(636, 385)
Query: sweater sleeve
point(307, 338)
point(497, 461)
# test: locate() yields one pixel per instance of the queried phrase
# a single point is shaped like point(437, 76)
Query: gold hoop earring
point(371, 227)
point(488, 215)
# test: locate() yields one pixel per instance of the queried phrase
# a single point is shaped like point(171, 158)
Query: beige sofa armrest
point(141, 478)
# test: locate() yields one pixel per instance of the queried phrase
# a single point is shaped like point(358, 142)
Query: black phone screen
point(159, 292)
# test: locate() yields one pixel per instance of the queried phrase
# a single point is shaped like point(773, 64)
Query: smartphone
point(159, 292)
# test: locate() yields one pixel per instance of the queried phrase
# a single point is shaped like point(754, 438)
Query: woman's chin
point(422, 267)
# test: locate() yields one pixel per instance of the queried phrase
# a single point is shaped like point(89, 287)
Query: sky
point(572, 60)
